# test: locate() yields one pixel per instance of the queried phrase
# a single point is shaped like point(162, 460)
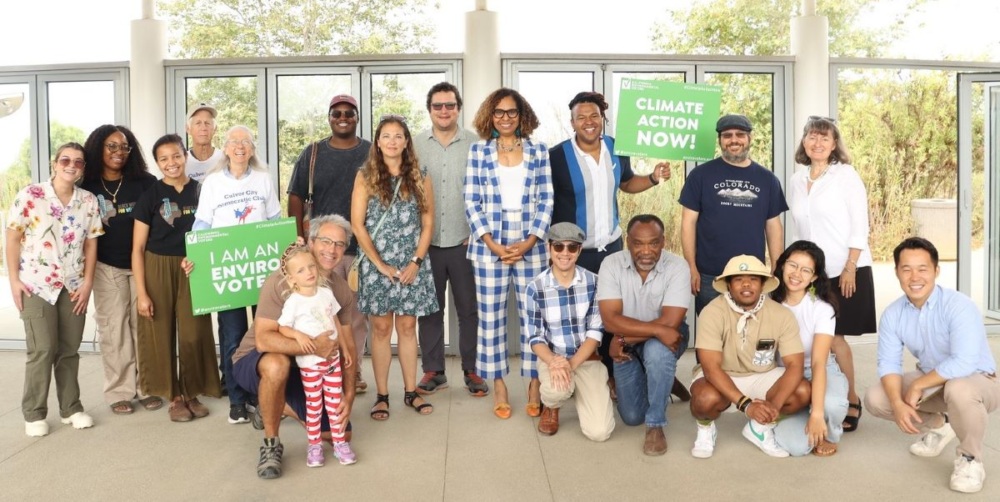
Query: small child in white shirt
point(309, 312)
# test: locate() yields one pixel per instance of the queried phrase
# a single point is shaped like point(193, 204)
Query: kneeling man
point(564, 331)
point(955, 385)
point(739, 335)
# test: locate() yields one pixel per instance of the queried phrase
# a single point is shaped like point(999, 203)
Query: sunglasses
point(66, 161)
point(511, 114)
point(817, 117)
point(336, 114)
point(114, 147)
point(450, 105)
point(392, 116)
point(559, 247)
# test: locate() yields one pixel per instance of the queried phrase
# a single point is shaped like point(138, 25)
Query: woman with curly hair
point(392, 215)
point(117, 174)
point(52, 232)
point(805, 288)
point(508, 202)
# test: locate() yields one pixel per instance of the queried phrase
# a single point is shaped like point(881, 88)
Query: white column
point(810, 46)
point(481, 66)
point(147, 84)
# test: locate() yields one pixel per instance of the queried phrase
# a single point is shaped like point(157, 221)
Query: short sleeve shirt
point(272, 298)
point(717, 332)
point(116, 200)
point(169, 215)
point(53, 236)
point(446, 167)
point(312, 315)
point(667, 285)
point(733, 206)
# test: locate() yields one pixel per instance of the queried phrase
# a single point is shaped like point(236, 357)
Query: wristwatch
point(418, 260)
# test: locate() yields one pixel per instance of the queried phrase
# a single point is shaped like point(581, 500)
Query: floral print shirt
point(52, 237)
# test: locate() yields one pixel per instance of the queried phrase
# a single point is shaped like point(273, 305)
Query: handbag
point(353, 280)
point(307, 205)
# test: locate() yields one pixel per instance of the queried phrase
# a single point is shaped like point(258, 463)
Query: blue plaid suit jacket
point(483, 207)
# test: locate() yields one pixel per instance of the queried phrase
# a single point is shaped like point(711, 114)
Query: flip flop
point(151, 403)
point(831, 448)
point(122, 408)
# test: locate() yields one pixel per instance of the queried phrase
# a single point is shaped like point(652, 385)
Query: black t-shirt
point(333, 179)
point(169, 214)
point(115, 246)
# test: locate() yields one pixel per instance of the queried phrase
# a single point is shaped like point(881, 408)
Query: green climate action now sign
point(667, 120)
point(232, 263)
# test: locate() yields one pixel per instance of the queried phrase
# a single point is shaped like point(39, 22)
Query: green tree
point(899, 125)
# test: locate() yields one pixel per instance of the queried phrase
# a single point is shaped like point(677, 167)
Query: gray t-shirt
point(333, 179)
point(667, 285)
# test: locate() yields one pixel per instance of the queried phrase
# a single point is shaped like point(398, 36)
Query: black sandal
point(410, 396)
point(851, 423)
point(380, 414)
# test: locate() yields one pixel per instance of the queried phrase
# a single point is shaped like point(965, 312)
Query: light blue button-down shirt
point(946, 335)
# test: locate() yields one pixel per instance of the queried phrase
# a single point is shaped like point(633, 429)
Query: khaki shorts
point(754, 386)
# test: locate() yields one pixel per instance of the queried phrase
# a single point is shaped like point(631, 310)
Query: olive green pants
point(53, 334)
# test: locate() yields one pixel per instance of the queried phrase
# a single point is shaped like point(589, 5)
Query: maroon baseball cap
point(344, 98)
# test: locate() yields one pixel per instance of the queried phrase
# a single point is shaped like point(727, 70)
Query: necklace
point(114, 195)
point(814, 180)
point(507, 149)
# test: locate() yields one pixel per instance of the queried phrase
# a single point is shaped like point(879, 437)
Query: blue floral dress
point(396, 243)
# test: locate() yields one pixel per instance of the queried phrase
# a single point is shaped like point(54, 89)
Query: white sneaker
point(934, 442)
point(968, 475)
point(80, 420)
point(762, 436)
point(36, 429)
point(704, 444)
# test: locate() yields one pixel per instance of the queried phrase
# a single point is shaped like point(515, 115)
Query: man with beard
point(338, 158)
point(740, 333)
point(643, 295)
point(731, 205)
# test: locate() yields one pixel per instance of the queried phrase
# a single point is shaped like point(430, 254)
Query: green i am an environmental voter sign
point(232, 263)
point(667, 120)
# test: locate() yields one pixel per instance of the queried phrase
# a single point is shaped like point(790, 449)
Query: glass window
point(76, 109)
point(402, 94)
point(302, 118)
point(549, 94)
point(15, 147)
point(750, 94)
point(235, 98)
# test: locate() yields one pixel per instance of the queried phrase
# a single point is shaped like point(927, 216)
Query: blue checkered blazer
point(483, 207)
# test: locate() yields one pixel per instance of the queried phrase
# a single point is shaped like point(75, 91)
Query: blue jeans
point(232, 327)
point(706, 294)
point(790, 433)
point(644, 383)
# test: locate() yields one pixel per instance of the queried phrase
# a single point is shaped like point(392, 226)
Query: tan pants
point(117, 326)
point(593, 399)
point(359, 323)
point(174, 337)
point(52, 334)
point(967, 401)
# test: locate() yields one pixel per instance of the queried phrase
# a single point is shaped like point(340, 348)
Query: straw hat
point(745, 265)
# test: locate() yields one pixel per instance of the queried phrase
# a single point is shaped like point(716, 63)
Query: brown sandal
point(122, 408)
point(825, 449)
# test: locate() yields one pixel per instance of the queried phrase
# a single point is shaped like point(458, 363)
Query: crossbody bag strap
point(380, 222)
point(312, 171)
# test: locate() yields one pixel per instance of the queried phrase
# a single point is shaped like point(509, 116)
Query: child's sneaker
point(314, 456)
point(344, 453)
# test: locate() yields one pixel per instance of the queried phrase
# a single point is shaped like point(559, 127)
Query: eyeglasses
point(817, 117)
point(326, 241)
point(511, 114)
point(236, 142)
point(450, 105)
point(114, 147)
point(791, 266)
point(350, 114)
point(392, 116)
point(571, 246)
point(66, 161)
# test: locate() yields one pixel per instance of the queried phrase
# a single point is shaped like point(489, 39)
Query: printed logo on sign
point(626, 83)
point(192, 238)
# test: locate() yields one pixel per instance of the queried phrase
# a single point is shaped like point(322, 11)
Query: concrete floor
point(460, 452)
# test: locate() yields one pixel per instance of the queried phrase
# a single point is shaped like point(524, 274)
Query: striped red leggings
point(323, 383)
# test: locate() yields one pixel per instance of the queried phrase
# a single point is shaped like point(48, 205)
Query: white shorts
point(754, 386)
